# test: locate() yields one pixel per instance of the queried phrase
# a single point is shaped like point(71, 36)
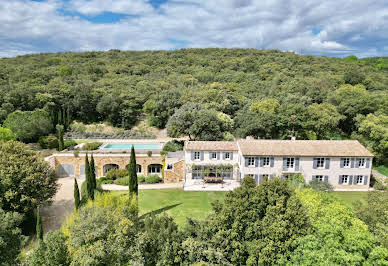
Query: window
point(251, 161)
point(265, 177)
point(138, 168)
point(320, 162)
point(319, 178)
point(169, 166)
point(249, 176)
point(213, 155)
point(197, 155)
point(227, 155)
point(265, 161)
point(290, 162)
point(359, 179)
point(361, 162)
point(347, 162)
point(154, 168)
point(345, 179)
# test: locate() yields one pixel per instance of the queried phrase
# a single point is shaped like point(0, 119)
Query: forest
point(207, 94)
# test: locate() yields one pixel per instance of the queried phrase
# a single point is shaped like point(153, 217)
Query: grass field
point(178, 203)
point(349, 197)
point(196, 204)
point(382, 169)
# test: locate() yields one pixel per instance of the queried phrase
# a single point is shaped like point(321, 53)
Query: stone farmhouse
point(346, 165)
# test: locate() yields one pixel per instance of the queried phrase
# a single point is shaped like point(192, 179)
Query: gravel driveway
point(63, 204)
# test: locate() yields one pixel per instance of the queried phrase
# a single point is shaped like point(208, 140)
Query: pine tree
point(39, 228)
point(133, 186)
point(76, 195)
point(61, 143)
point(93, 172)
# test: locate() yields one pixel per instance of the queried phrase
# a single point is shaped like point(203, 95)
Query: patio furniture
point(212, 179)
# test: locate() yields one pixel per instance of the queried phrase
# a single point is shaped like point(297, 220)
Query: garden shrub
point(114, 174)
point(69, 144)
point(105, 180)
point(48, 142)
point(378, 185)
point(124, 181)
point(91, 146)
point(152, 179)
point(141, 179)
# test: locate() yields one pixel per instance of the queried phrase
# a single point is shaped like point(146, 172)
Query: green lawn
point(178, 203)
point(196, 204)
point(348, 197)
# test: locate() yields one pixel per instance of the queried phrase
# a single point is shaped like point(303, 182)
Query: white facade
point(342, 172)
point(207, 158)
point(331, 171)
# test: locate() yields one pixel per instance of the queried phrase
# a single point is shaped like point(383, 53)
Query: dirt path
point(63, 204)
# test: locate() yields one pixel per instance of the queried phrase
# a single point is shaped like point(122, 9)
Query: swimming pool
point(136, 146)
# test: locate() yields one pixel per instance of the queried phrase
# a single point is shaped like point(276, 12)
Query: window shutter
point(357, 160)
point(231, 155)
point(260, 178)
point(284, 163)
point(218, 155)
point(342, 162)
point(315, 162)
point(296, 164)
point(326, 179)
point(282, 177)
point(261, 161)
point(223, 156)
point(192, 156)
point(313, 178)
point(366, 180)
point(367, 162)
point(272, 161)
point(256, 179)
point(271, 176)
point(246, 161)
point(352, 163)
point(340, 180)
point(201, 155)
point(350, 179)
point(210, 155)
point(327, 163)
point(256, 161)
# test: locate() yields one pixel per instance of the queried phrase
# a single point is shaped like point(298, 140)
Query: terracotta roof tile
point(211, 146)
point(333, 148)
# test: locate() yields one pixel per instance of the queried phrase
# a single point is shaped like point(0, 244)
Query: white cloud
point(357, 28)
point(95, 7)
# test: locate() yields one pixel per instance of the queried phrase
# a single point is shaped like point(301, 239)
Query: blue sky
point(330, 27)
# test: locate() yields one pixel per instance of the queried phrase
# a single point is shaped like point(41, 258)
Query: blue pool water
point(136, 146)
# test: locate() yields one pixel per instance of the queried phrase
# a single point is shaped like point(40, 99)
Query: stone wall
point(122, 160)
point(176, 174)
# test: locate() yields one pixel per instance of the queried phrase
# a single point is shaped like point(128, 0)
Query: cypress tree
point(133, 186)
point(76, 195)
point(61, 143)
point(89, 181)
point(85, 193)
point(93, 172)
point(39, 228)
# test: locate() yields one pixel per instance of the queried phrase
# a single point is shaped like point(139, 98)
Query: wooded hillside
point(206, 93)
